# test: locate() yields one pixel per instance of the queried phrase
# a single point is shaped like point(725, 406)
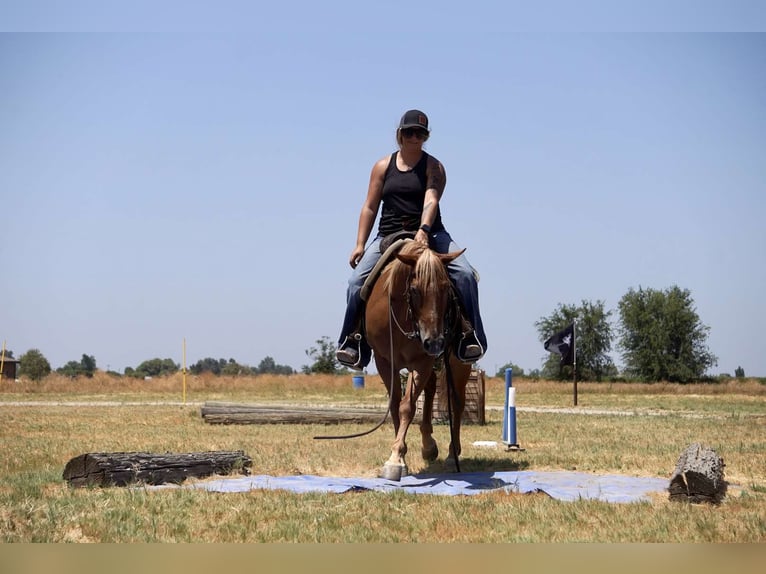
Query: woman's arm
point(369, 210)
point(436, 180)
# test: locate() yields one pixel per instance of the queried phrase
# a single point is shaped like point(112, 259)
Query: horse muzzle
point(434, 346)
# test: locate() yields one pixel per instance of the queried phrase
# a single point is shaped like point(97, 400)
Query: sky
point(198, 176)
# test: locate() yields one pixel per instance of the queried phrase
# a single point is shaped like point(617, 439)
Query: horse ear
point(448, 257)
point(408, 258)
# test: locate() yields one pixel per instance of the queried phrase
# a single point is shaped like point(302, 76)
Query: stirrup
point(349, 353)
point(469, 350)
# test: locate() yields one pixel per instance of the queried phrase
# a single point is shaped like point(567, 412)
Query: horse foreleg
point(460, 374)
point(396, 466)
point(393, 386)
point(429, 450)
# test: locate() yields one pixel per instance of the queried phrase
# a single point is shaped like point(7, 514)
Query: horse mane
point(429, 268)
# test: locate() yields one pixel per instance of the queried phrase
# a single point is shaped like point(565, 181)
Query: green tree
point(662, 337)
point(88, 364)
point(208, 365)
point(234, 369)
point(517, 371)
point(269, 366)
point(34, 365)
point(324, 359)
point(739, 372)
point(153, 368)
point(593, 341)
point(84, 367)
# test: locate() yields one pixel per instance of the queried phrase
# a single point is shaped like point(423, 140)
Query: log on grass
point(698, 476)
point(124, 468)
point(234, 413)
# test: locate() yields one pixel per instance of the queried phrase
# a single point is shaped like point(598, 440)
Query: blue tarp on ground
point(565, 486)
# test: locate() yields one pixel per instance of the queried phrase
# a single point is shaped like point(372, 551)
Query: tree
point(85, 366)
point(739, 372)
point(517, 371)
point(269, 366)
point(153, 368)
point(208, 365)
point(324, 358)
point(234, 369)
point(593, 341)
point(34, 365)
point(662, 337)
point(88, 364)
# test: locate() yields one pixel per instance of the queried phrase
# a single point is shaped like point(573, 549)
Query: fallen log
point(235, 413)
point(124, 468)
point(698, 476)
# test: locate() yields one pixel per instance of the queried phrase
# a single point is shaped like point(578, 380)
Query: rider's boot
point(469, 349)
point(349, 353)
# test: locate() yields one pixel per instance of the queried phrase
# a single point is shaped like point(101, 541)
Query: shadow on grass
point(475, 464)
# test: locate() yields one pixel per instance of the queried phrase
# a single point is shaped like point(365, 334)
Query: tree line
point(659, 335)
point(35, 366)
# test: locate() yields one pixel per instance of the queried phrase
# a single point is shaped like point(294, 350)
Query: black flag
point(563, 343)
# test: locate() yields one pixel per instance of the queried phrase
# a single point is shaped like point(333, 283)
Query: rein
point(390, 391)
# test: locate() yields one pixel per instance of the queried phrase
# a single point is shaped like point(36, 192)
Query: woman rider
point(410, 183)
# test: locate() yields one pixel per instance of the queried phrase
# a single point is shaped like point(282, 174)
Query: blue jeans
point(460, 272)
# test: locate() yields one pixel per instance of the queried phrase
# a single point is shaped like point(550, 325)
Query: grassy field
point(630, 429)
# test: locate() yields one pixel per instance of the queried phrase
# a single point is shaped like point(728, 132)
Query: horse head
point(430, 293)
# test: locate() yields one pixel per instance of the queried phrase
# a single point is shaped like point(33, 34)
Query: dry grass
point(35, 504)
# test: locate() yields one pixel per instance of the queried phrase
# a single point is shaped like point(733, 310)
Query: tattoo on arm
point(436, 179)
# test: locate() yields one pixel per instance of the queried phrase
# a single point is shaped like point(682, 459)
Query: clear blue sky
point(206, 184)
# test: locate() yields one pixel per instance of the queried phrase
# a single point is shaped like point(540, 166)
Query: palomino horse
point(412, 320)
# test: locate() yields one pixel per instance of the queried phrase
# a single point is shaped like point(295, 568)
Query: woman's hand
point(356, 256)
point(422, 237)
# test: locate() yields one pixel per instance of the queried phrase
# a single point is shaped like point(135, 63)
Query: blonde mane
point(428, 269)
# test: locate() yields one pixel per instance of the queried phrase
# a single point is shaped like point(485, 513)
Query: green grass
point(37, 506)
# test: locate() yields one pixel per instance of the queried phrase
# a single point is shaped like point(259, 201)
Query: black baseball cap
point(414, 119)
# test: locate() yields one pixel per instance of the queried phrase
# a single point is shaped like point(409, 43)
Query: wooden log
point(698, 476)
point(235, 413)
point(124, 468)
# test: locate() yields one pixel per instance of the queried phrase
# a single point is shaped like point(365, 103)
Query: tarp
point(567, 486)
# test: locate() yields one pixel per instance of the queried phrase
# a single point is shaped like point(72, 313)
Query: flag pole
point(574, 359)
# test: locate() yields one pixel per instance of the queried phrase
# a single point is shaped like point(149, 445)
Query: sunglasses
point(417, 132)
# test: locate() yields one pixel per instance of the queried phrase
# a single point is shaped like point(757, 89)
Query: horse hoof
point(394, 472)
point(430, 454)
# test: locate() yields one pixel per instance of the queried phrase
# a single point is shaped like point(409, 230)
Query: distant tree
point(269, 366)
point(324, 359)
point(517, 371)
point(153, 368)
point(662, 337)
point(71, 369)
point(208, 365)
point(593, 341)
point(86, 366)
point(8, 354)
point(233, 369)
point(34, 365)
point(739, 372)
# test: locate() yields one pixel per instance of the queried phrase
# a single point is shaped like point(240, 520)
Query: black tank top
point(403, 196)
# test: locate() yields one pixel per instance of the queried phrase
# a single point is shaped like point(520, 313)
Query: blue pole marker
point(509, 413)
